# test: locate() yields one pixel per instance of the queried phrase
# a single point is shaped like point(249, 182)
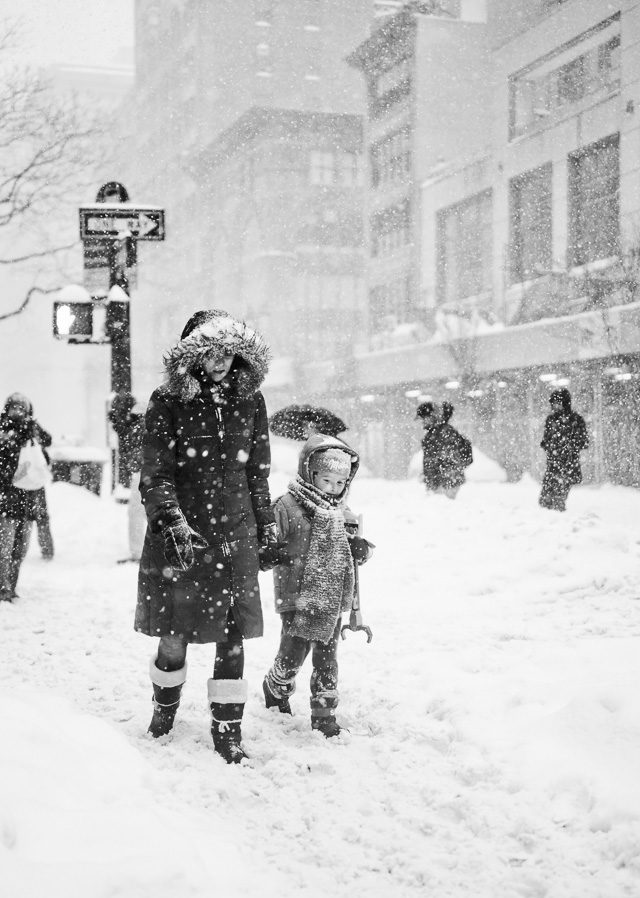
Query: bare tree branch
point(39, 255)
point(25, 302)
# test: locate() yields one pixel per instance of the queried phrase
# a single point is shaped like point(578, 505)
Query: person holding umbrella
point(203, 482)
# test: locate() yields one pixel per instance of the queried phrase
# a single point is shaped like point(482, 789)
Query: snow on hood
point(216, 332)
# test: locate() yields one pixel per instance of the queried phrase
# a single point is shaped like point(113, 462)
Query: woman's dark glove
point(360, 548)
point(179, 539)
point(271, 551)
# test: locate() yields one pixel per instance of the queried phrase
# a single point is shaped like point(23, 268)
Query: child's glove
point(179, 539)
point(272, 549)
point(361, 549)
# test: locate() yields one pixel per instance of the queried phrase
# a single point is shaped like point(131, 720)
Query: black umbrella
point(298, 422)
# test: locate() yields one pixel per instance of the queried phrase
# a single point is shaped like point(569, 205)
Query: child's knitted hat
point(334, 460)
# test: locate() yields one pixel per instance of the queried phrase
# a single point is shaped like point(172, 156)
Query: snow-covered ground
point(494, 721)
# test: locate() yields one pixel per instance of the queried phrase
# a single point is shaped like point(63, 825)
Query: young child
point(314, 581)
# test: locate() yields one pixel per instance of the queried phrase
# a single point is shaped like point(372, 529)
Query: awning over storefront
point(588, 335)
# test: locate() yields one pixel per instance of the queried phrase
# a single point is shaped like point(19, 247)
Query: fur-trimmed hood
point(210, 332)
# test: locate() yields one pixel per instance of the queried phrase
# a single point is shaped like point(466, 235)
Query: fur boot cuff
point(166, 678)
point(227, 692)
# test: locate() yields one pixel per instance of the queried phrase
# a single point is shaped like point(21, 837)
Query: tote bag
point(33, 471)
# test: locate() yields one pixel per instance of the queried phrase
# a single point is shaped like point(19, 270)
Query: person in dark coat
point(127, 426)
point(206, 460)
point(314, 581)
point(446, 453)
point(41, 510)
point(565, 436)
point(136, 518)
point(17, 506)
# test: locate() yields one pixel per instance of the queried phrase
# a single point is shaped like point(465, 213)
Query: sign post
point(110, 230)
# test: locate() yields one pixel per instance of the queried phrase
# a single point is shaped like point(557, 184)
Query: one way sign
point(118, 220)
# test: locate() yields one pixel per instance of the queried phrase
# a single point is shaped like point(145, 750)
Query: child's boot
point(274, 695)
point(167, 686)
point(323, 718)
point(227, 700)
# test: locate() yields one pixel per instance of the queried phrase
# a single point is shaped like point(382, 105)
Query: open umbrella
point(298, 422)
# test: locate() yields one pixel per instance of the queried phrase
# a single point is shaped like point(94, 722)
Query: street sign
point(118, 220)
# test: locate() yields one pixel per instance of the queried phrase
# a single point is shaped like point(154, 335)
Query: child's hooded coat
point(295, 524)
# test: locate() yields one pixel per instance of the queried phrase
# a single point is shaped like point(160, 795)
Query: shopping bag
point(33, 471)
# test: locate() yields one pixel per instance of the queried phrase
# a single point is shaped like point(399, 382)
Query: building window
point(594, 202)
point(350, 166)
point(263, 13)
point(390, 87)
point(322, 168)
point(585, 66)
point(464, 249)
point(390, 304)
point(391, 229)
point(391, 159)
point(530, 212)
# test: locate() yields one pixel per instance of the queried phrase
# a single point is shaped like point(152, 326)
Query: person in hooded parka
point(565, 436)
point(446, 452)
point(203, 482)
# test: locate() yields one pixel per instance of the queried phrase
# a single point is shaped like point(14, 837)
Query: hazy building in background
point(246, 125)
point(527, 239)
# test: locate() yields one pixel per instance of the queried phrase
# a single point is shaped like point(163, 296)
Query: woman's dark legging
point(229, 662)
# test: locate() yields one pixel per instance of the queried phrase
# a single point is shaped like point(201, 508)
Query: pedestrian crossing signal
point(73, 321)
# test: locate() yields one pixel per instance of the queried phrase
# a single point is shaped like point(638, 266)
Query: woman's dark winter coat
point(446, 453)
point(17, 504)
point(207, 452)
point(565, 435)
point(295, 523)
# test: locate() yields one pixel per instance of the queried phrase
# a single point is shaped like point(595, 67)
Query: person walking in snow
point(314, 581)
point(18, 507)
point(446, 453)
point(136, 518)
point(565, 436)
point(206, 460)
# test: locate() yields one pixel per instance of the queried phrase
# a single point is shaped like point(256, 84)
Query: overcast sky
point(74, 32)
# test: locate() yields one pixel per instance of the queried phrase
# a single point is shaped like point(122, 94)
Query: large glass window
point(587, 65)
point(594, 202)
point(530, 212)
point(464, 248)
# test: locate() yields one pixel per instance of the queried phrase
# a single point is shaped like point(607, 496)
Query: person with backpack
point(446, 452)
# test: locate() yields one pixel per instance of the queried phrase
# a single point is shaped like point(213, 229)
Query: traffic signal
point(117, 325)
point(73, 321)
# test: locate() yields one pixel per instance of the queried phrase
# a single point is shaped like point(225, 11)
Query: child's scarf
point(328, 578)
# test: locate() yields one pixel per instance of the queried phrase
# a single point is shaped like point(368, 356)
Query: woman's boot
point(167, 686)
point(227, 700)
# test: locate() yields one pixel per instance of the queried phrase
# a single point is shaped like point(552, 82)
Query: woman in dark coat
point(206, 460)
point(17, 507)
point(565, 436)
point(446, 453)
